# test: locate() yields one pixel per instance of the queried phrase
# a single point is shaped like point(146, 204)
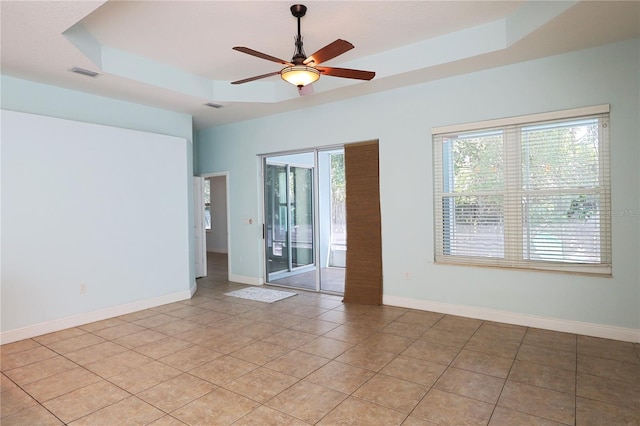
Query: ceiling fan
point(303, 70)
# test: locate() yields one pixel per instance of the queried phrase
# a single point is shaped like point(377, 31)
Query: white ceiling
point(177, 55)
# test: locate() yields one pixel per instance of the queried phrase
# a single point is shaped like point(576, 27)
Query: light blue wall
point(78, 162)
point(41, 99)
point(82, 205)
point(402, 120)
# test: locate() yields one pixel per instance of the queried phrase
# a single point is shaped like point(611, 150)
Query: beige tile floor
point(309, 359)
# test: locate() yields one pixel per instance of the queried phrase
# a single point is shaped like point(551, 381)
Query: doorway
point(215, 206)
point(305, 220)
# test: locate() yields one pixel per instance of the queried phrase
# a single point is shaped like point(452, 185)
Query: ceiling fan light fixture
point(303, 70)
point(300, 75)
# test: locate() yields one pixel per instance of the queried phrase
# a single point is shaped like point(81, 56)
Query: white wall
point(402, 120)
point(217, 237)
point(85, 205)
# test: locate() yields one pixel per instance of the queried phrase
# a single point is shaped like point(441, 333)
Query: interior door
point(199, 228)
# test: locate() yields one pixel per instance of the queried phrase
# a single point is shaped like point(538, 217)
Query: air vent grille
point(83, 71)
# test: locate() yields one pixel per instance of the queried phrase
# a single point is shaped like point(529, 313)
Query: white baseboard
point(88, 317)
point(193, 288)
point(567, 326)
point(245, 280)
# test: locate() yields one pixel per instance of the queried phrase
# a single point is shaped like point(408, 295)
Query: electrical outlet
point(83, 288)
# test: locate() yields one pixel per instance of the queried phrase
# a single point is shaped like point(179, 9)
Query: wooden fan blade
point(261, 55)
point(347, 73)
point(330, 51)
point(257, 77)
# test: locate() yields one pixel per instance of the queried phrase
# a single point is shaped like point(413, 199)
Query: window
point(526, 192)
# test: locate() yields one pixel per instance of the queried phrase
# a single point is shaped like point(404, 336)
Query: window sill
point(599, 271)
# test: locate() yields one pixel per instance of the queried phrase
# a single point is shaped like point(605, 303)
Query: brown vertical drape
point(363, 282)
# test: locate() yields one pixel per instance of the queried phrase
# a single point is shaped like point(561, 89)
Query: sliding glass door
point(305, 242)
point(289, 221)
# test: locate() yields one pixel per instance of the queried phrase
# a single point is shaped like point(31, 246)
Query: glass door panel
point(333, 231)
point(301, 213)
point(277, 218)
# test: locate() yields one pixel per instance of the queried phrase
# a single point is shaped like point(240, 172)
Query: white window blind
point(526, 192)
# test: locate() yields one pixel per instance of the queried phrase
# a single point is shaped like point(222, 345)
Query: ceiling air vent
point(82, 71)
point(212, 105)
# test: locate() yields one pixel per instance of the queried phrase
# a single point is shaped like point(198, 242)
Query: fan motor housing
point(298, 10)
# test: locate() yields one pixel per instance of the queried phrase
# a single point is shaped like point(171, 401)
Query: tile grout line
point(30, 396)
point(508, 374)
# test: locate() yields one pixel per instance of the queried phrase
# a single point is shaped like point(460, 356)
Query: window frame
point(513, 192)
